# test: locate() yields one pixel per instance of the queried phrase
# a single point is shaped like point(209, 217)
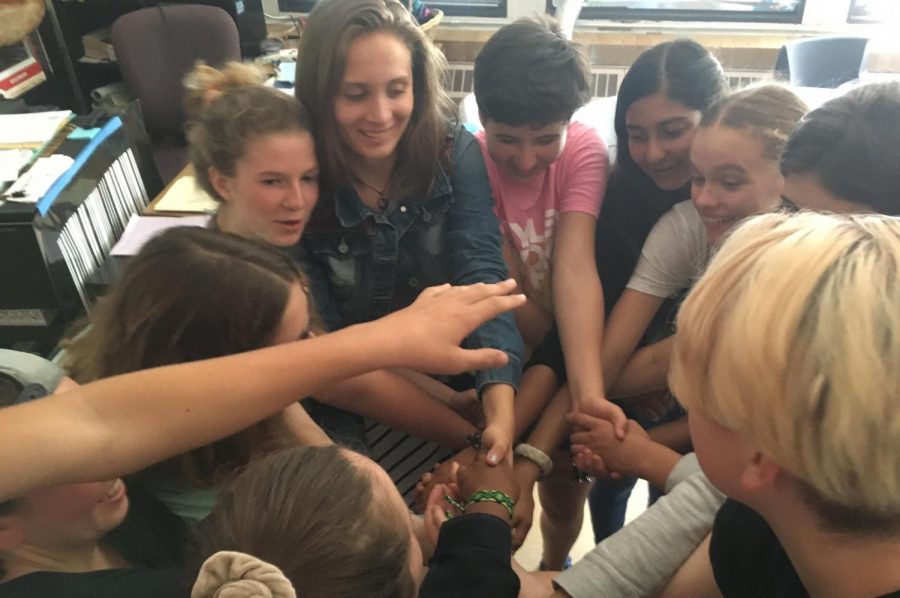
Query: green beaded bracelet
point(496, 496)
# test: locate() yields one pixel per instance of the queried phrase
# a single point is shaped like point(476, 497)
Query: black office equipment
point(49, 250)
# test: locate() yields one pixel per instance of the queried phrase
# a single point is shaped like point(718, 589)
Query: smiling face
point(375, 99)
point(525, 151)
point(273, 190)
point(731, 178)
point(660, 132)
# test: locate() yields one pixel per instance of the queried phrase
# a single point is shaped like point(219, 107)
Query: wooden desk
point(151, 210)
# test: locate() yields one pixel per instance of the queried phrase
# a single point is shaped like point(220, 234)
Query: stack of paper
point(141, 229)
point(185, 196)
point(31, 130)
point(98, 46)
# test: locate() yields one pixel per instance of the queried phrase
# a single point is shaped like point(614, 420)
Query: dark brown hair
point(228, 109)
point(528, 73)
point(312, 512)
point(848, 144)
point(190, 294)
point(332, 27)
point(683, 71)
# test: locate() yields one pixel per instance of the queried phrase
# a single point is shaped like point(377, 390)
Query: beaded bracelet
point(497, 496)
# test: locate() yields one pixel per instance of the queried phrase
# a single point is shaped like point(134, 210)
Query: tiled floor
point(530, 554)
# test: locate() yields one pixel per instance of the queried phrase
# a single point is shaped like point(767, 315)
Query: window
point(869, 11)
point(468, 8)
point(296, 5)
point(771, 11)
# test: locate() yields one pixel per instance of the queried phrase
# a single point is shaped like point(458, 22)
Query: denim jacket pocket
point(344, 257)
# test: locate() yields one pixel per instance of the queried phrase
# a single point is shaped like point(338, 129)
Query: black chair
point(156, 47)
point(821, 61)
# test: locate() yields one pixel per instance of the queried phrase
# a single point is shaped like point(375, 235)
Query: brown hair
point(229, 108)
point(333, 25)
point(311, 512)
point(769, 112)
point(190, 294)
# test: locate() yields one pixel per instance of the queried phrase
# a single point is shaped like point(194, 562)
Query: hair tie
point(229, 574)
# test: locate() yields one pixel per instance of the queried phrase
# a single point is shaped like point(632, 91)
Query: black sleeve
point(472, 559)
point(747, 558)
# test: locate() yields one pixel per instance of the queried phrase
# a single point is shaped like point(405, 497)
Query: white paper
point(32, 185)
point(31, 130)
point(185, 196)
point(141, 229)
point(11, 162)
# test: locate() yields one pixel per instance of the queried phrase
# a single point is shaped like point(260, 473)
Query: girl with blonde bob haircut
point(786, 357)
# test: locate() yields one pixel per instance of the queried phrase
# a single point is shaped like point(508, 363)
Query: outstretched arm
point(118, 425)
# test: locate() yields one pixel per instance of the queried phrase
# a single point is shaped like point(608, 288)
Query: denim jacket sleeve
point(476, 255)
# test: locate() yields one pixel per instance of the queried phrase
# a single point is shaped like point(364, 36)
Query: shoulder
point(581, 136)
point(111, 583)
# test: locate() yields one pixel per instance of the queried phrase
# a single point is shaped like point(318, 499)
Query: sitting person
point(779, 378)
point(193, 294)
point(112, 427)
point(79, 539)
point(253, 151)
point(852, 130)
point(348, 533)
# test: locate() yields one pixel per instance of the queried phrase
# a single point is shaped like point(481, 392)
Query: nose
point(295, 198)
point(702, 196)
point(656, 151)
point(526, 160)
point(380, 109)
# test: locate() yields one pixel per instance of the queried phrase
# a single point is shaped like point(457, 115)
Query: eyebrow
point(729, 169)
point(394, 81)
point(678, 120)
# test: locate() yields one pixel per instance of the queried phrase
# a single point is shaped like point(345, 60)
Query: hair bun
point(229, 574)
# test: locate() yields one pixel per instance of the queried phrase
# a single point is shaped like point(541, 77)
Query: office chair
point(821, 61)
point(156, 47)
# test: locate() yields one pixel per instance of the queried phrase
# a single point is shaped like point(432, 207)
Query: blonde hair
point(769, 111)
point(229, 108)
point(792, 338)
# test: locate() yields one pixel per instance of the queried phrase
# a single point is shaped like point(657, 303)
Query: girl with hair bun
point(252, 149)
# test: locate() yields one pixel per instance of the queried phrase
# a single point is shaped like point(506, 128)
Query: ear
point(220, 182)
point(11, 533)
point(760, 473)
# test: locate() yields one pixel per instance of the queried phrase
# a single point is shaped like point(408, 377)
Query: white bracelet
point(536, 455)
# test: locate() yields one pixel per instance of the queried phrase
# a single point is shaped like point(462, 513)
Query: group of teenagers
point(388, 311)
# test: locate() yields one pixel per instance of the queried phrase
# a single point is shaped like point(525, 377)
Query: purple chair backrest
point(156, 47)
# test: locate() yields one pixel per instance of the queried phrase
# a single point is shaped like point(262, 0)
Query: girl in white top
point(734, 174)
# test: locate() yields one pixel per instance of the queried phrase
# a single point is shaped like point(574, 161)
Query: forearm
point(646, 371)
point(674, 435)
point(539, 385)
point(533, 323)
point(434, 387)
point(498, 403)
point(579, 312)
point(391, 399)
point(549, 433)
point(301, 428)
point(655, 463)
point(113, 426)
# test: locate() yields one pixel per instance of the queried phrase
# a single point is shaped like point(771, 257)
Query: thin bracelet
point(536, 456)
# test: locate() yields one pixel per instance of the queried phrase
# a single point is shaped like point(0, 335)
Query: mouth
point(115, 494)
point(291, 224)
point(376, 134)
point(714, 221)
point(665, 170)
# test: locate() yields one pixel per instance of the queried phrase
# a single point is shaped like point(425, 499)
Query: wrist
point(526, 473)
point(536, 456)
point(488, 508)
